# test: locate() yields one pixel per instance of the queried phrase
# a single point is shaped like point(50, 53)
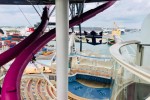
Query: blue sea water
point(103, 48)
point(131, 36)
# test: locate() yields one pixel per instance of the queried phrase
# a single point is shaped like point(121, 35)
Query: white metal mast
point(62, 30)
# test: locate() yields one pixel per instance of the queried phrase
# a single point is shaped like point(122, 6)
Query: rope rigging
point(51, 12)
point(39, 8)
point(36, 10)
point(25, 16)
point(81, 8)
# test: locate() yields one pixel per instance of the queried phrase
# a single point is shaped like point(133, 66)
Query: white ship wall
point(145, 39)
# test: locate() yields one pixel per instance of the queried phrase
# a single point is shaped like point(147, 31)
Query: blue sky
point(126, 13)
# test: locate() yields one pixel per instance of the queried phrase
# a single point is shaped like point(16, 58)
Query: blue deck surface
point(89, 92)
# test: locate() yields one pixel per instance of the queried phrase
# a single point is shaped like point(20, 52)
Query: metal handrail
point(134, 69)
point(145, 44)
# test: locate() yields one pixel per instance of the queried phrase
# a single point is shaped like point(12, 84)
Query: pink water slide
point(11, 85)
point(16, 50)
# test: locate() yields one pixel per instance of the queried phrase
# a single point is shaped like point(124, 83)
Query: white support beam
point(62, 30)
point(139, 55)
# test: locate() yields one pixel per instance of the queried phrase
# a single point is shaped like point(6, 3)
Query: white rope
point(44, 76)
point(52, 59)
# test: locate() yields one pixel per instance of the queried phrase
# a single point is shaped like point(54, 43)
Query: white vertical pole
point(62, 29)
point(139, 55)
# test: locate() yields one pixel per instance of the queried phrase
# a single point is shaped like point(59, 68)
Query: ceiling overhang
point(43, 2)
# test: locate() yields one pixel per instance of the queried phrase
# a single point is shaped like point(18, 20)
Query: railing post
point(139, 55)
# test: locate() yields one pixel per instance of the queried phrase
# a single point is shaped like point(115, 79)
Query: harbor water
point(103, 48)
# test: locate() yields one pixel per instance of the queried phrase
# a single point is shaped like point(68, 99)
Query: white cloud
point(127, 13)
point(12, 16)
point(137, 1)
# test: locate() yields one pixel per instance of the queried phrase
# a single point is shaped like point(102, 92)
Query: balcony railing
point(131, 82)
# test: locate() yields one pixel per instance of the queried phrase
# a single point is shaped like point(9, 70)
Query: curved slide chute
point(11, 85)
point(16, 50)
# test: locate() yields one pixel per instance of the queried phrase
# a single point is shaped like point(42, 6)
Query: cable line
point(39, 8)
point(82, 8)
point(51, 12)
point(36, 10)
point(25, 16)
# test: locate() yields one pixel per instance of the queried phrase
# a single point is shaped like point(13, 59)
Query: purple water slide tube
point(16, 50)
point(11, 85)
